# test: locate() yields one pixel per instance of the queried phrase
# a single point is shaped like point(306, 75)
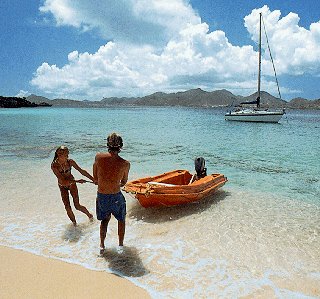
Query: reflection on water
point(72, 233)
point(125, 261)
point(164, 214)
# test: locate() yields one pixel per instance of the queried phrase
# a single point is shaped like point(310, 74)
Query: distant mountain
point(198, 98)
point(300, 103)
point(190, 98)
point(117, 101)
point(267, 100)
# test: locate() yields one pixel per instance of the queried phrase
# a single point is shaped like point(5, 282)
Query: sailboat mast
point(259, 72)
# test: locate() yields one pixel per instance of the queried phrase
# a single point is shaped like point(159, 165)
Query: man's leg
point(103, 231)
point(121, 231)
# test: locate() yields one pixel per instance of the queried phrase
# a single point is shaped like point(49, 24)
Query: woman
point(61, 167)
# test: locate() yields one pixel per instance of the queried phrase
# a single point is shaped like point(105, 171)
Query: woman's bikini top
point(67, 170)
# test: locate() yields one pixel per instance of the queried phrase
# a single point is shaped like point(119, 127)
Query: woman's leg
point(75, 196)
point(65, 198)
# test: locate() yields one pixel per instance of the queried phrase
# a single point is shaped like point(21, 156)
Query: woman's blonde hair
point(60, 148)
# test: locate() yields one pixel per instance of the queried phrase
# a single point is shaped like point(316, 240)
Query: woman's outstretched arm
point(82, 171)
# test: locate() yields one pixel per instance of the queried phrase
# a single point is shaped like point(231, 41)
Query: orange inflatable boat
point(173, 188)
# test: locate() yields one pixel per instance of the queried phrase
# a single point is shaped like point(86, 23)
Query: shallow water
point(260, 229)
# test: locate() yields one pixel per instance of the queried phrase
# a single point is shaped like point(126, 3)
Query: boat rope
point(274, 68)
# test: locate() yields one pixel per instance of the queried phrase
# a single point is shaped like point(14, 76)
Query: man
point(110, 173)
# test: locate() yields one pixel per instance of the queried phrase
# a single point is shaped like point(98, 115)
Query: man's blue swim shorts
point(114, 204)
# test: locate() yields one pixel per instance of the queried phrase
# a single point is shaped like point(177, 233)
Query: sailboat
point(257, 114)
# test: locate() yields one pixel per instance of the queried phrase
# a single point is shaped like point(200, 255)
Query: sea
point(256, 237)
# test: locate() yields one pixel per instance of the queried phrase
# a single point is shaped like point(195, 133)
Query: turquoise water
point(280, 158)
point(264, 223)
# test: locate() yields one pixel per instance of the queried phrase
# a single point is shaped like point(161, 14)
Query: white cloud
point(164, 46)
point(117, 69)
point(22, 94)
point(295, 49)
point(63, 12)
point(142, 21)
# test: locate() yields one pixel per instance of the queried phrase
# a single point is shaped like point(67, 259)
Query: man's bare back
point(110, 171)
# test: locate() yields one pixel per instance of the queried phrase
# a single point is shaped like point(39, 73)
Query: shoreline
point(26, 275)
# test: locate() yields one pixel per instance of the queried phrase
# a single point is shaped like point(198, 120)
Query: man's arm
point(95, 172)
point(125, 174)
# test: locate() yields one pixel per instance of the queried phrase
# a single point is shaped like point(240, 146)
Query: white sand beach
point(25, 275)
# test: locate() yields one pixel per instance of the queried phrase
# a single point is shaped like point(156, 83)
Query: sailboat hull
point(254, 116)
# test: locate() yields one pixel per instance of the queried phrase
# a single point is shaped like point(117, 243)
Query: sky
point(90, 49)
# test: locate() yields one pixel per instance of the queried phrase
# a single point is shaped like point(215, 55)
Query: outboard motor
point(199, 165)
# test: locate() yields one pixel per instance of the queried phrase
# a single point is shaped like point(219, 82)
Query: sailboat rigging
point(256, 114)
